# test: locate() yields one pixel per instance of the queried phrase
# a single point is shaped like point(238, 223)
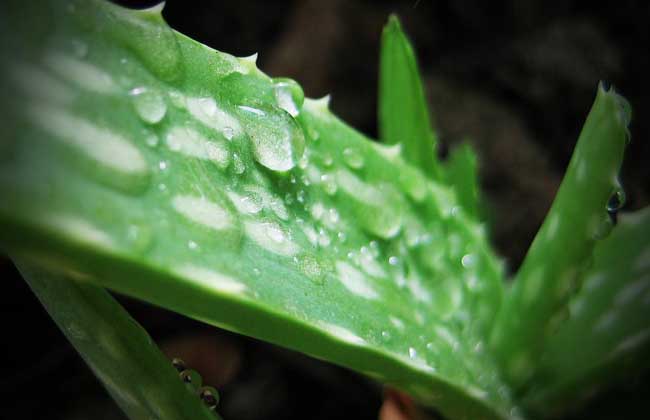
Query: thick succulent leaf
point(117, 349)
point(461, 172)
point(185, 177)
point(607, 336)
point(403, 110)
point(563, 248)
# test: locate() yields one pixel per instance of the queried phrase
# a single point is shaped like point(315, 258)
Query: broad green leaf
point(403, 110)
point(461, 172)
point(563, 247)
point(120, 353)
point(607, 335)
point(185, 177)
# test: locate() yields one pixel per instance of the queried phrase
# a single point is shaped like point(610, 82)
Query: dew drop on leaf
point(179, 364)
point(277, 140)
point(209, 396)
point(353, 158)
point(192, 378)
point(615, 203)
point(149, 104)
point(288, 95)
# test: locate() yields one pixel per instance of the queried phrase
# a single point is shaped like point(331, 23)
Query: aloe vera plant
point(137, 160)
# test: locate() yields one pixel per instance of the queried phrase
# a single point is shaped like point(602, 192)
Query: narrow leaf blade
point(461, 172)
point(556, 261)
point(118, 350)
point(403, 111)
point(607, 336)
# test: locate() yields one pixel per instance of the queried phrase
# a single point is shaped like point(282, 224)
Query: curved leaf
point(120, 353)
point(607, 335)
point(189, 179)
point(403, 110)
point(554, 266)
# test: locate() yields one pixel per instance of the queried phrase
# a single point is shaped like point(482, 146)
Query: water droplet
point(468, 260)
point(393, 260)
point(179, 364)
point(277, 140)
point(615, 203)
point(413, 353)
point(353, 158)
point(288, 95)
point(385, 335)
point(192, 245)
point(140, 237)
point(149, 104)
point(327, 160)
point(192, 378)
point(300, 196)
point(333, 216)
point(152, 140)
point(163, 165)
point(374, 249)
point(228, 133)
point(323, 238)
point(317, 210)
point(209, 396)
point(249, 203)
point(329, 184)
point(341, 236)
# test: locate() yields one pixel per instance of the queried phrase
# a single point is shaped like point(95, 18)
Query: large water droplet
point(277, 140)
point(179, 364)
point(209, 396)
point(191, 378)
point(353, 158)
point(615, 203)
point(149, 104)
point(289, 95)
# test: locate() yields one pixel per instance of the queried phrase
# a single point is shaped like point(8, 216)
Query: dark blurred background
point(514, 78)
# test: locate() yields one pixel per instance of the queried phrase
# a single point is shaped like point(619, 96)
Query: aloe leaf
point(556, 261)
point(607, 335)
point(170, 172)
point(461, 172)
point(403, 110)
point(118, 350)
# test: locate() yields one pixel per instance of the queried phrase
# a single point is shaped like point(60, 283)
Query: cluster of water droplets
point(208, 394)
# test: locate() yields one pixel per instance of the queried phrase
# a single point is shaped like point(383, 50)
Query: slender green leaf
point(608, 333)
point(122, 355)
point(461, 172)
point(403, 110)
point(563, 247)
point(189, 179)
